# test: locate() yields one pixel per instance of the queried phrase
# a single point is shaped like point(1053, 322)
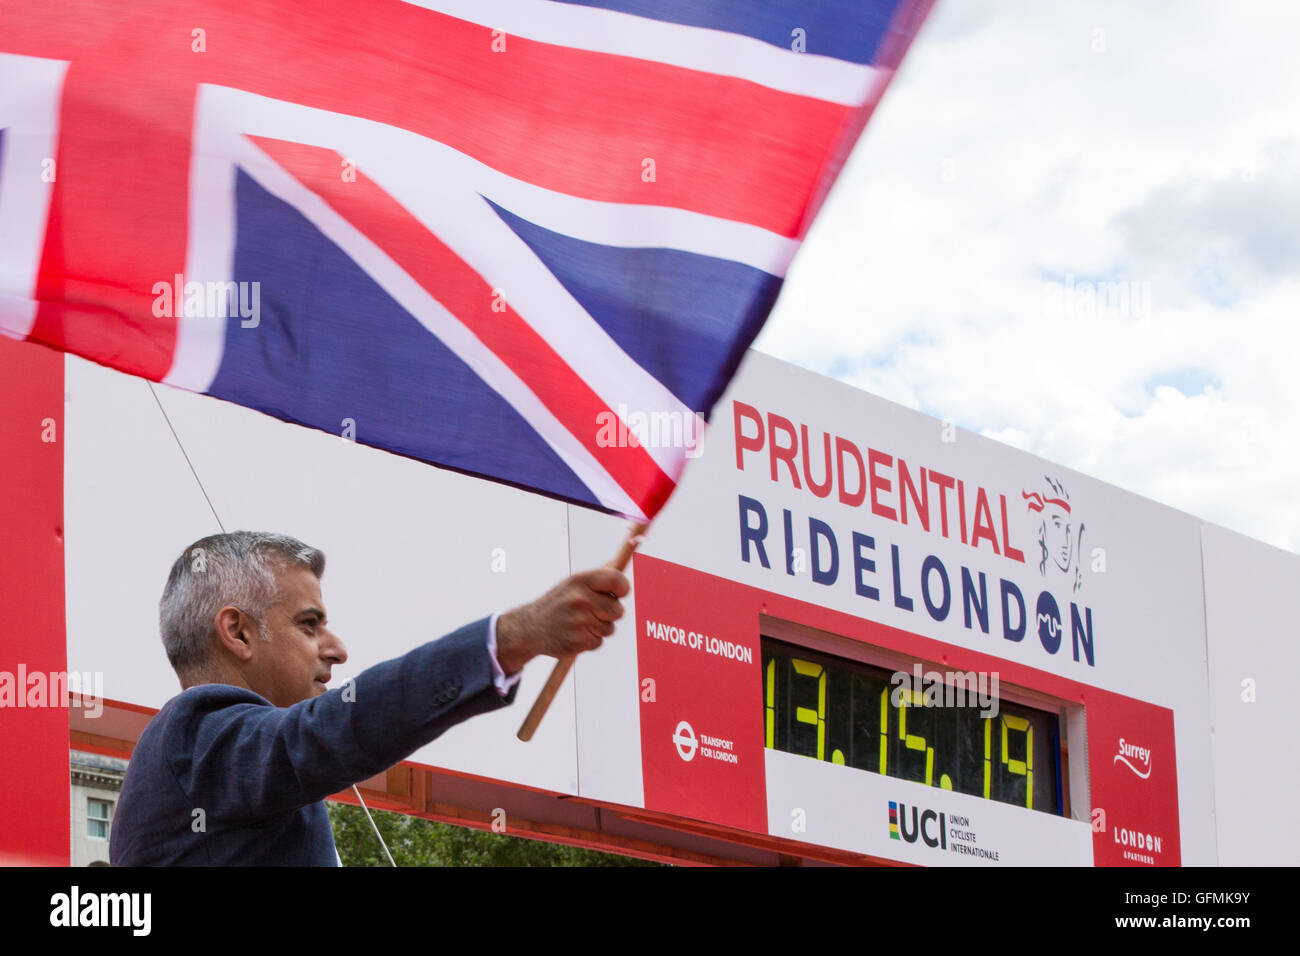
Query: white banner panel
point(829, 561)
point(1253, 661)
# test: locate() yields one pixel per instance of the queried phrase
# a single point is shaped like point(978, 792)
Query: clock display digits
point(867, 718)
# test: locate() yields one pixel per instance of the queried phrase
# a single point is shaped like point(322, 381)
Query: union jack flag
point(500, 236)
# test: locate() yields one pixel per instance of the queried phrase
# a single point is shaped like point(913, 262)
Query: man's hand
point(574, 616)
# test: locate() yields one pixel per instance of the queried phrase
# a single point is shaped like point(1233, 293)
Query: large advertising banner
point(901, 621)
point(854, 627)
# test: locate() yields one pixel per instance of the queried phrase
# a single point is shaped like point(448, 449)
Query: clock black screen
point(852, 714)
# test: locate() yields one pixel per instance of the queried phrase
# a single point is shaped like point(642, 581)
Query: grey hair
point(234, 569)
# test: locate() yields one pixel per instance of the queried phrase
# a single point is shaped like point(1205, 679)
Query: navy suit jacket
point(222, 777)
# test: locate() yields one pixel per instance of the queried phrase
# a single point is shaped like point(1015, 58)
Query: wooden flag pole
point(561, 669)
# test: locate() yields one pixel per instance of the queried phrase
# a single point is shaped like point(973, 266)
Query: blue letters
point(816, 530)
point(747, 533)
point(862, 563)
point(932, 563)
point(968, 599)
point(1016, 633)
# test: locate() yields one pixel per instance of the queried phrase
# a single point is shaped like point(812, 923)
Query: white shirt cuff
point(500, 680)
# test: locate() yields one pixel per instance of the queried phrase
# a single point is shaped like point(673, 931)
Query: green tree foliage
point(417, 842)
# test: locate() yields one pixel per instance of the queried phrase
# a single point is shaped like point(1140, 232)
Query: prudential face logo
point(1059, 532)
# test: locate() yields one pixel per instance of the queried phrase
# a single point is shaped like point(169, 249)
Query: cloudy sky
point(1032, 153)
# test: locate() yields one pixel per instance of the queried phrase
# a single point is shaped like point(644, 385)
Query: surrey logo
point(1137, 759)
point(1060, 546)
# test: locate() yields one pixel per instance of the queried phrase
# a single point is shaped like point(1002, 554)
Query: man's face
point(294, 665)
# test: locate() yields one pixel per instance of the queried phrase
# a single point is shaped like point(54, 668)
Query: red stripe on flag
point(464, 293)
point(579, 122)
point(119, 209)
point(575, 121)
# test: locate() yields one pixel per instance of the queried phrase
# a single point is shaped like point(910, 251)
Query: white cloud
point(1010, 160)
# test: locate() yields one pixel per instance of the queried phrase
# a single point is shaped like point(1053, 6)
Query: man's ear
point(235, 633)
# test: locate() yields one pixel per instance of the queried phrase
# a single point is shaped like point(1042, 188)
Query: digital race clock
point(911, 725)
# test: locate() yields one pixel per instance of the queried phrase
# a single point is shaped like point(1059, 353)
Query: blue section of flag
point(684, 318)
point(845, 29)
point(331, 344)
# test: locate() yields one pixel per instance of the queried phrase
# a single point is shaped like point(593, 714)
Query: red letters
point(875, 458)
point(840, 457)
point(823, 489)
point(777, 452)
point(744, 444)
point(906, 489)
point(856, 498)
point(945, 485)
point(983, 523)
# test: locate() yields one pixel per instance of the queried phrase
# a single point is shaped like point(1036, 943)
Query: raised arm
point(244, 760)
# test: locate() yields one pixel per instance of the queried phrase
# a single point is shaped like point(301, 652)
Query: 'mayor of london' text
point(102, 909)
point(696, 641)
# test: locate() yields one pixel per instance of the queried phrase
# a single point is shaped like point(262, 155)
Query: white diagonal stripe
point(187, 370)
point(30, 91)
point(693, 48)
point(441, 187)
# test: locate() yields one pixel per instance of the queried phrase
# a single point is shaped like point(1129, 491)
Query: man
point(234, 770)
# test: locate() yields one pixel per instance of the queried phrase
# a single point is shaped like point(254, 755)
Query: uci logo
point(920, 825)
